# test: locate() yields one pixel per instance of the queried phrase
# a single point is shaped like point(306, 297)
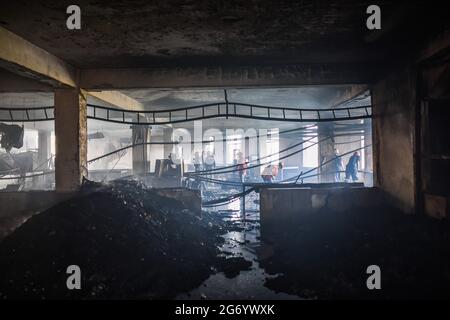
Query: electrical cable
point(262, 164)
point(259, 159)
point(322, 164)
point(178, 142)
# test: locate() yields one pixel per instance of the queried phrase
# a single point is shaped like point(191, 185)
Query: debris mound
point(128, 241)
point(234, 265)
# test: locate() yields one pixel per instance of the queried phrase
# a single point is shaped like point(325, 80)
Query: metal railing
point(226, 110)
point(27, 114)
point(200, 112)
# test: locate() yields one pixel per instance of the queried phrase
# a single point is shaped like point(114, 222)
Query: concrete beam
point(397, 17)
point(348, 94)
point(10, 82)
point(117, 99)
point(24, 58)
point(293, 75)
point(438, 45)
point(71, 139)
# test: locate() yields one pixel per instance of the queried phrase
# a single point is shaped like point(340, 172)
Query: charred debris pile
point(128, 241)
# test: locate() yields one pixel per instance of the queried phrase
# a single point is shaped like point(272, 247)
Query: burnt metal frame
point(222, 109)
point(26, 118)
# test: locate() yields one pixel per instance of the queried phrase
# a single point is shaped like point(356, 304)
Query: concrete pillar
point(43, 155)
point(70, 138)
point(326, 152)
point(295, 160)
point(167, 135)
point(262, 145)
point(246, 150)
point(220, 147)
point(44, 149)
point(258, 149)
point(226, 149)
point(155, 151)
point(394, 101)
point(140, 134)
point(368, 155)
point(253, 174)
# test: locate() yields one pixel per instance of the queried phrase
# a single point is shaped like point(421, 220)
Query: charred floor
point(242, 150)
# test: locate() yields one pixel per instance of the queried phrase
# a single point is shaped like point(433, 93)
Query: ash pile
point(128, 241)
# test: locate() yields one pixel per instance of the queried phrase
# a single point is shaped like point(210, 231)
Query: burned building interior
point(276, 150)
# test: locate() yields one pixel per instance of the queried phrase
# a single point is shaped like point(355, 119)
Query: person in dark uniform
point(351, 169)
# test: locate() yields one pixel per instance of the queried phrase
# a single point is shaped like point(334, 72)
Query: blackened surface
point(154, 33)
point(325, 255)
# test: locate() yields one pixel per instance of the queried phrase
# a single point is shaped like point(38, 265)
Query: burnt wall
point(282, 207)
point(394, 105)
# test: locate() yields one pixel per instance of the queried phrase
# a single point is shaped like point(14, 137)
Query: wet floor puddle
point(246, 284)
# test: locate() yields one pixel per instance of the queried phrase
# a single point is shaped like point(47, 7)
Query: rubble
point(128, 241)
point(232, 266)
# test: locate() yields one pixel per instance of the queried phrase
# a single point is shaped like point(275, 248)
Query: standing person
point(266, 175)
point(197, 161)
point(337, 166)
point(351, 170)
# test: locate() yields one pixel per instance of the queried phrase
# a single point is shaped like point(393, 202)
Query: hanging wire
point(236, 196)
point(265, 163)
point(325, 162)
point(180, 142)
point(257, 160)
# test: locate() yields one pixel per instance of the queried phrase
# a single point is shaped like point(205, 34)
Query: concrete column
point(70, 138)
point(188, 150)
point(226, 149)
point(42, 161)
point(155, 151)
point(139, 153)
point(394, 137)
point(258, 148)
point(246, 150)
point(220, 147)
point(326, 152)
point(294, 160)
point(368, 155)
point(254, 173)
point(44, 149)
point(167, 135)
point(262, 144)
